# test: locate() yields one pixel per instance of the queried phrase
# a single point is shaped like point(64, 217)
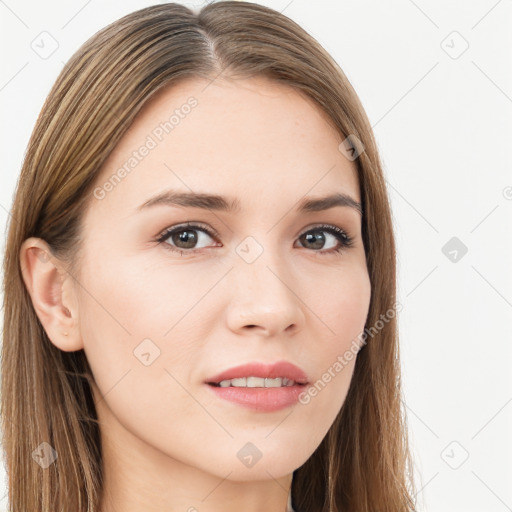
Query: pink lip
point(261, 399)
point(256, 369)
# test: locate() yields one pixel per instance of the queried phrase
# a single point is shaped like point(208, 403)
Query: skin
point(169, 443)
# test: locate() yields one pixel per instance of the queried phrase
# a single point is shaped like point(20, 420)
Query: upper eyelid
point(190, 225)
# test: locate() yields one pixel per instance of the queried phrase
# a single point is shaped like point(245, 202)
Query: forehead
point(250, 139)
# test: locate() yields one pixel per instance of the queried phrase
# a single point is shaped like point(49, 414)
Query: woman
point(199, 279)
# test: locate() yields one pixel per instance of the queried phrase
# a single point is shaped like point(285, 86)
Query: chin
point(257, 461)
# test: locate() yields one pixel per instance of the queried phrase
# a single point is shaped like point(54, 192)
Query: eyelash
point(345, 240)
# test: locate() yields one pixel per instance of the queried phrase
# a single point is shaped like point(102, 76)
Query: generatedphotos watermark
point(344, 359)
point(152, 140)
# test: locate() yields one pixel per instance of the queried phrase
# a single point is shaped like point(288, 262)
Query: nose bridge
point(262, 291)
point(261, 263)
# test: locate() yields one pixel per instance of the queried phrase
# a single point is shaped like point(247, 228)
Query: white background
point(443, 123)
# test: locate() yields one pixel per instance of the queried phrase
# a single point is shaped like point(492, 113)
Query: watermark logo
point(45, 455)
point(454, 45)
point(249, 455)
point(455, 455)
point(147, 352)
point(44, 45)
point(249, 249)
point(454, 249)
point(351, 147)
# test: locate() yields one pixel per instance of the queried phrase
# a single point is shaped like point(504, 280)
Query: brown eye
point(315, 239)
point(185, 238)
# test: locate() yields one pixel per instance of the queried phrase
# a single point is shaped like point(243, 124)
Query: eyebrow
point(220, 203)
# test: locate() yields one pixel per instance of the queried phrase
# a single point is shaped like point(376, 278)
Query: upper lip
point(264, 370)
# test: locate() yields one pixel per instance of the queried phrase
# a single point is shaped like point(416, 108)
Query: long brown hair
point(363, 464)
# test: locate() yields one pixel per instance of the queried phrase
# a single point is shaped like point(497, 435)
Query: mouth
point(261, 375)
point(256, 382)
point(259, 386)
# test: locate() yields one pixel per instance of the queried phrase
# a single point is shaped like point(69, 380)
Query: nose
point(263, 300)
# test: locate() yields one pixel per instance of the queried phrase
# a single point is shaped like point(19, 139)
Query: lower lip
point(261, 399)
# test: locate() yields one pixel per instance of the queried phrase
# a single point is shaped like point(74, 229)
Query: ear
point(52, 292)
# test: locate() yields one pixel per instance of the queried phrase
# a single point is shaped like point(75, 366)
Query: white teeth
point(273, 383)
point(256, 382)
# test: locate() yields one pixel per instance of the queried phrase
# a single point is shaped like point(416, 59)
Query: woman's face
point(262, 283)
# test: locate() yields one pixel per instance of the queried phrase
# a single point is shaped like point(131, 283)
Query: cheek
point(139, 297)
point(130, 315)
point(341, 307)
point(141, 345)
